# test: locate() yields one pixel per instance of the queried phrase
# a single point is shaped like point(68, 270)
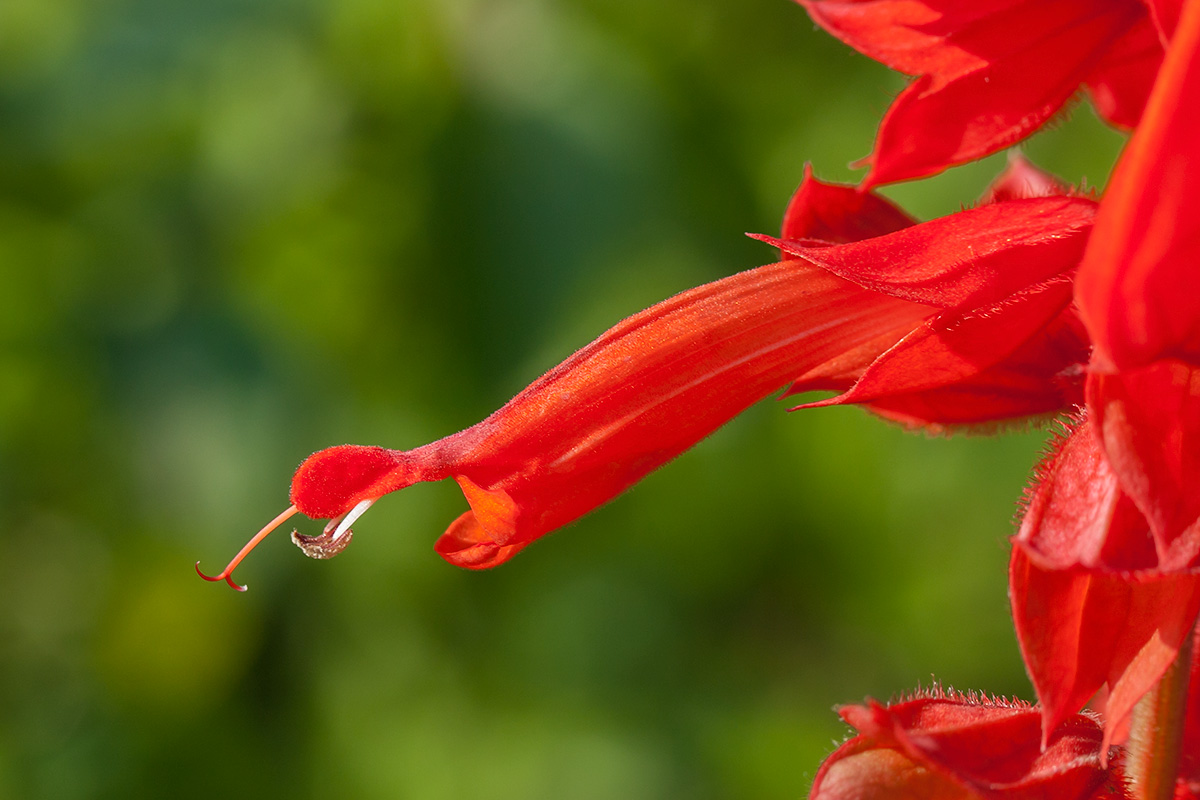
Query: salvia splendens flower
point(965, 319)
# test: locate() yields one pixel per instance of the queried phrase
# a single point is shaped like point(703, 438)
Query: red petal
point(1090, 603)
point(1076, 514)
point(835, 213)
point(1079, 629)
point(467, 544)
point(1018, 355)
point(635, 398)
point(952, 347)
point(334, 480)
point(954, 747)
point(1040, 377)
point(966, 260)
point(991, 72)
point(840, 372)
point(1138, 289)
point(1149, 422)
point(1121, 82)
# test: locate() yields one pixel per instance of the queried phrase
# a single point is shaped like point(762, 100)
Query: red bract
point(1007, 342)
point(944, 746)
point(1092, 601)
point(1140, 295)
point(1019, 357)
point(1138, 288)
point(993, 71)
point(1105, 577)
point(662, 380)
point(836, 214)
point(1148, 420)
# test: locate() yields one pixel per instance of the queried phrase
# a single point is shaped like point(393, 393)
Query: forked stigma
point(227, 573)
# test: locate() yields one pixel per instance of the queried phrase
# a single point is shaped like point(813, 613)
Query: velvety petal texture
point(1165, 14)
point(989, 73)
point(949, 746)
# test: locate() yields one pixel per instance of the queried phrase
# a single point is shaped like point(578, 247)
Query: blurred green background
point(236, 232)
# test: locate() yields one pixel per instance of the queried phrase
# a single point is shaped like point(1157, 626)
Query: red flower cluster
point(1105, 570)
point(1038, 302)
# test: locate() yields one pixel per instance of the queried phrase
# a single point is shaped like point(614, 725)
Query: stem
point(1156, 732)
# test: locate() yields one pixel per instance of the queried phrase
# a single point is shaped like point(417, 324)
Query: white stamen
point(349, 518)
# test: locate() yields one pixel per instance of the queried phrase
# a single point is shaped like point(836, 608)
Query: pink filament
point(227, 573)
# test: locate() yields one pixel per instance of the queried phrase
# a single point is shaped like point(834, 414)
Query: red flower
point(945, 746)
point(940, 745)
point(1105, 577)
point(1093, 603)
point(966, 302)
point(991, 73)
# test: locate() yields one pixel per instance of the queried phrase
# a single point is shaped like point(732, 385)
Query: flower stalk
point(1156, 732)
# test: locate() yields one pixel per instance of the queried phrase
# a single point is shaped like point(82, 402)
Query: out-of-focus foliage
point(232, 233)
